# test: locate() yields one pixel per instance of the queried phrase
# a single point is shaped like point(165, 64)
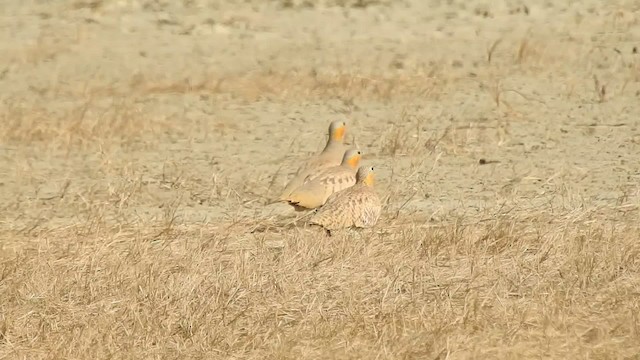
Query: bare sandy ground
point(509, 129)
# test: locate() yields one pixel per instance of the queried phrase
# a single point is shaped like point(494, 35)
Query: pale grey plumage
point(315, 191)
point(330, 156)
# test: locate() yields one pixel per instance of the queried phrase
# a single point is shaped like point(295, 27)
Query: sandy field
point(143, 141)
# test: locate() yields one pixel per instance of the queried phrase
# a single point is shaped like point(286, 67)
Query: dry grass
point(133, 221)
point(509, 286)
point(511, 282)
point(517, 282)
point(501, 285)
point(115, 284)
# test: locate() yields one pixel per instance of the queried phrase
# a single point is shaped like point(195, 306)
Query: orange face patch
point(338, 134)
point(354, 161)
point(370, 179)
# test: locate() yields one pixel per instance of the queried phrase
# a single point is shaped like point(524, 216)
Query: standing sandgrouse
point(357, 206)
point(330, 156)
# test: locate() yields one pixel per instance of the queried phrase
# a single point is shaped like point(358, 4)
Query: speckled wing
point(314, 167)
point(336, 179)
point(315, 192)
point(357, 206)
point(303, 175)
point(370, 209)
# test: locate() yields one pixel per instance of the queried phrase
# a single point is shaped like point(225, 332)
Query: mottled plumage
point(330, 156)
point(316, 190)
point(357, 206)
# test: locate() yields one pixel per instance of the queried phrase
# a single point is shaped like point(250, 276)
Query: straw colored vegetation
point(142, 145)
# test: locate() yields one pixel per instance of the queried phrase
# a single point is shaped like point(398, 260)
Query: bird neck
point(331, 144)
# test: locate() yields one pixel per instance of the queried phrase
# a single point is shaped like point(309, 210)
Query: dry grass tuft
point(297, 4)
point(493, 289)
point(298, 85)
point(114, 120)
